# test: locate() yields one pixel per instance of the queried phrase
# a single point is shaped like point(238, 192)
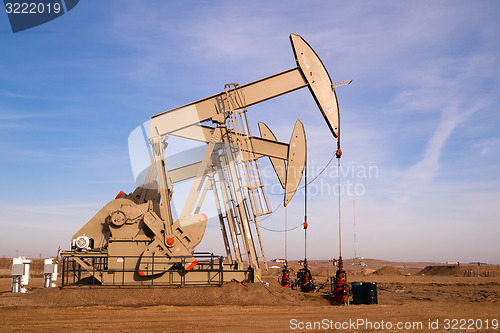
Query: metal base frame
point(97, 269)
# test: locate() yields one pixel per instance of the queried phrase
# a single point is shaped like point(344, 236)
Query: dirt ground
point(416, 302)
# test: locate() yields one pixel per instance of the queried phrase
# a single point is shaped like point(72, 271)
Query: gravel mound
point(387, 270)
point(442, 270)
point(233, 293)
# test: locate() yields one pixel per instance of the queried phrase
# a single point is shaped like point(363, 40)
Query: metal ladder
point(254, 200)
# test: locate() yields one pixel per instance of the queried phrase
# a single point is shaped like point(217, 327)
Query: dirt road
point(415, 303)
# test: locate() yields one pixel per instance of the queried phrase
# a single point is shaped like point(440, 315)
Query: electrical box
point(20, 274)
point(50, 272)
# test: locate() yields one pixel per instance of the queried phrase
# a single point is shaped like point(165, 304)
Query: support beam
point(211, 108)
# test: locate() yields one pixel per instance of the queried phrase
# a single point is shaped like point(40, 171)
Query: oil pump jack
point(134, 240)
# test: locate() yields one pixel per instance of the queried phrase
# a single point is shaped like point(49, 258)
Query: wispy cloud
point(24, 116)
point(7, 93)
point(489, 146)
point(421, 174)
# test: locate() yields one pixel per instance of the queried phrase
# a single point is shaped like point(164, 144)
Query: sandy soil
point(409, 299)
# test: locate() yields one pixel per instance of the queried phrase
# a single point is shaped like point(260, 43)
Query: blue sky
point(421, 114)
